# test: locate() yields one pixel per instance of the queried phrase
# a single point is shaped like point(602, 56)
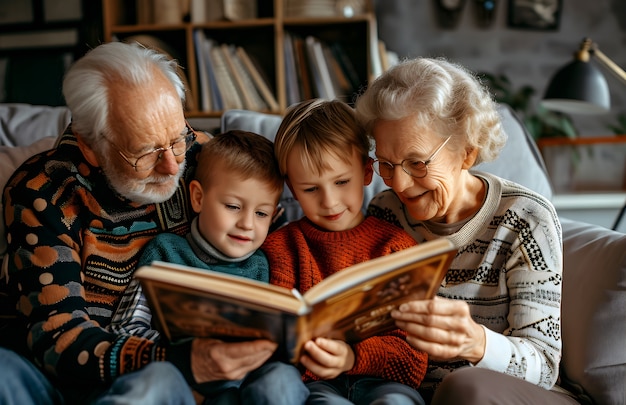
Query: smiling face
point(234, 214)
point(331, 199)
point(448, 193)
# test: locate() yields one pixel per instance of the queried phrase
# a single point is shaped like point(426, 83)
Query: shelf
point(262, 39)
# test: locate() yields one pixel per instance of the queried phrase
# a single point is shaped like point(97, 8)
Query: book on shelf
point(352, 304)
point(291, 76)
point(346, 65)
point(215, 10)
point(247, 92)
point(321, 76)
point(302, 67)
point(145, 11)
point(214, 91)
point(204, 85)
point(257, 78)
point(231, 98)
point(340, 83)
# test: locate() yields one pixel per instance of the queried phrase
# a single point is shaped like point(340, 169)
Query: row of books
point(314, 68)
point(215, 10)
point(229, 78)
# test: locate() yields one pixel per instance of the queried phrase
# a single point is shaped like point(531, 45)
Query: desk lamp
point(580, 87)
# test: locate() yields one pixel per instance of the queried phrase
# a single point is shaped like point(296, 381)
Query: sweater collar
point(207, 252)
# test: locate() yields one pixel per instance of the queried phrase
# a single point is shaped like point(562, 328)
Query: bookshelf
point(262, 38)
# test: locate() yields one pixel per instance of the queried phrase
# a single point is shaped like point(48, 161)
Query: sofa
point(594, 276)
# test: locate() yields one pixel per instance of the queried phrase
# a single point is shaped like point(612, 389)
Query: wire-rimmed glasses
point(412, 167)
point(151, 159)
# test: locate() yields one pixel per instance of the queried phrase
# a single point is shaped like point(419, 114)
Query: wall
point(526, 57)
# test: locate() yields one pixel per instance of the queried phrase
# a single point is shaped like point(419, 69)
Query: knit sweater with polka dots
point(74, 244)
point(301, 255)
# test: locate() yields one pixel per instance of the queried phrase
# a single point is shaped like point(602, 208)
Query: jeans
point(21, 383)
point(273, 383)
point(157, 383)
point(345, 390)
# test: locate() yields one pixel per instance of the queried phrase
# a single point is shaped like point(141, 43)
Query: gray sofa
point(594, 276)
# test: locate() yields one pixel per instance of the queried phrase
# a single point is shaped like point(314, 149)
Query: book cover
point(350, 305)
point(257, 78)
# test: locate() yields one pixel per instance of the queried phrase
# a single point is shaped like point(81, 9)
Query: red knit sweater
point(301, 255)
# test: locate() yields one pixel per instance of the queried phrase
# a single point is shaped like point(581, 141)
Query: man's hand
point(213, 360)
point(327, 358)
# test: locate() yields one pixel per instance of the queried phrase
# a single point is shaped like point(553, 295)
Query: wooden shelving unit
point(261, 37)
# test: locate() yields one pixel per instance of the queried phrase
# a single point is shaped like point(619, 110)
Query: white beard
point(143, 191)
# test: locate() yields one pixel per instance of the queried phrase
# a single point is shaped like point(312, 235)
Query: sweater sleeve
point(390, 357)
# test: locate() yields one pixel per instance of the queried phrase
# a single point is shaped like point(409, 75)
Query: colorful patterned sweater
point(508, 270)
point(73, 247)
point(301, 255)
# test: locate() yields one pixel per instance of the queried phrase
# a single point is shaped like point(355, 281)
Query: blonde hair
point(320, 127)
point(440, 95)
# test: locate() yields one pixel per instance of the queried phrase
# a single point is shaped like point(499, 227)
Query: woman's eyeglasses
point(412, 167)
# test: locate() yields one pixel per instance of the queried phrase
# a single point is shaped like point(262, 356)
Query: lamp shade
point(578, 88)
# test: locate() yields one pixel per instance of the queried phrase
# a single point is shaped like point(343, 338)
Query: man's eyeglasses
point(412, 167)
point(151, 159)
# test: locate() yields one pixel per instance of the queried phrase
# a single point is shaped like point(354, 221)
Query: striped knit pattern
point(73, 247)
point(508, 270)
point(301, 255)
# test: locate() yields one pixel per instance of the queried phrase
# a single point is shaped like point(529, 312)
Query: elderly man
point(77, 219)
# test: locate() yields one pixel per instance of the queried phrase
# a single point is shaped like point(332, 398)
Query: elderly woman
point(498, 309)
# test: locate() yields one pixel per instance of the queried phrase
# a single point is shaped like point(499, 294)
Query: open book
point(350, 305)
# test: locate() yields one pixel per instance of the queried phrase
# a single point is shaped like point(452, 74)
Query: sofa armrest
point(593, 311)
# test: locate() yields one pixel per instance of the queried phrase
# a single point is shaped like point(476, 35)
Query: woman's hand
point(213, 360)
point(327, 358)
point(443, 328)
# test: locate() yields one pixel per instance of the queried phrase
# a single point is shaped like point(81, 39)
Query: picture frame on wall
point(534, 14)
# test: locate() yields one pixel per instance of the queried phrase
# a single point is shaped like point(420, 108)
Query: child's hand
point(327, 358)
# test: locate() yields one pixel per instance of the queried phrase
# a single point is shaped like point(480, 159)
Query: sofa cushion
point(594, 311)
point(24, 124)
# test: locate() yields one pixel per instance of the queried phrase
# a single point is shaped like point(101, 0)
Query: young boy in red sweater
point(324, 156)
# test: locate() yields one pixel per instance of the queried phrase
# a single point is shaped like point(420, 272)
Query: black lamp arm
point(594, 50)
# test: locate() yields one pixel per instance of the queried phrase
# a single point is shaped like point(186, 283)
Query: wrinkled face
point(234, 214)
point(433, 196)
point(333, 199)
point(143, 119)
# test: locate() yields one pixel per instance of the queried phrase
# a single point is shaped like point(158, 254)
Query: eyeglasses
point(151, 159)
point(414, 168)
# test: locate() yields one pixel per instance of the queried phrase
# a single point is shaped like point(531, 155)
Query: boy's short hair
point(245, 153)
point(320, 127)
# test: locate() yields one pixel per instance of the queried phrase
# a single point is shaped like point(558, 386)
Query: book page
point(356, 303)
